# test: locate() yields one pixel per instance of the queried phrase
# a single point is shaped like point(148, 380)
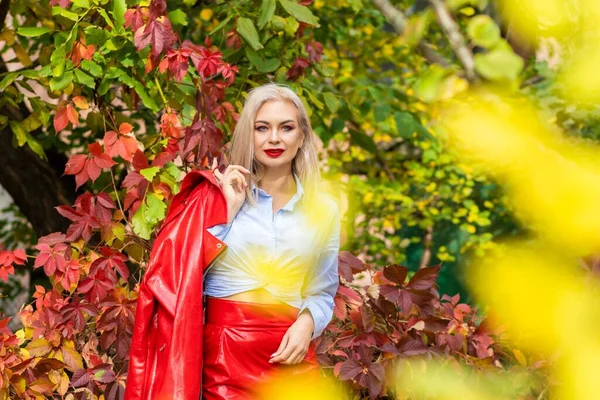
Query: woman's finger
point(234, 167)
point(237, 180)
point(218, 174)
point(282, 346)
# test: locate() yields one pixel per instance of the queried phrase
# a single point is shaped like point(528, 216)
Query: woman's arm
point(322, 285)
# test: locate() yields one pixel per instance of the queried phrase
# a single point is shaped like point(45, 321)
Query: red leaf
point(425, 278)
point(395, 273)
point(159, 32)
point(349, 370)
point(61, 3)
point(60, 118)
point(297, 68)
point(170, 125)
point(139, 160)
point(135, 17)
point(315, 51)
point(120, 144)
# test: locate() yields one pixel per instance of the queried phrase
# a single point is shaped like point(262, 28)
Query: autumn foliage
point(138, 104)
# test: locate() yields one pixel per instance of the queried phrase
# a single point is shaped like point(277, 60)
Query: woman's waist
point(250, 308)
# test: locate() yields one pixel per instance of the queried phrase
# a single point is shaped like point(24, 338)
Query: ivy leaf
point(247, 30)
point(267, 9)
point(332, 102)
point(300, 12)
point(64, 114)
point(159, 32)
point(178, 17)
point(119, 8)
point(85, 79)
point(149, 173)
point(498, 65)
point(483, 31)
point(32, 31)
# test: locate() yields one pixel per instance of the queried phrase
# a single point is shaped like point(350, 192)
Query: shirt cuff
point(321, 309)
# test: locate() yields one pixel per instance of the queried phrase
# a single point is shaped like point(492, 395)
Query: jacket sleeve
point(322, 285)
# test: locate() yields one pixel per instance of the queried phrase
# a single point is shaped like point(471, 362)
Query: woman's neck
point(278, 182)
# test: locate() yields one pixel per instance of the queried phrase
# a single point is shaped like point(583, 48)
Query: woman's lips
point(274, 153)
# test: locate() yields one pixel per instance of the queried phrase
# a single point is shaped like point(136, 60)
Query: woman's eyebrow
point(281, 123)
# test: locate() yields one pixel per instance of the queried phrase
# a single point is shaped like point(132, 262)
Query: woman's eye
point(288, 128)
point(261, 128)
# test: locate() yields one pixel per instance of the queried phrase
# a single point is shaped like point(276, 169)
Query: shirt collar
point(290, 204)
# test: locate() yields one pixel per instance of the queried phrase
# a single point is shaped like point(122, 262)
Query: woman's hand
point(234, 184)
point(295, 342)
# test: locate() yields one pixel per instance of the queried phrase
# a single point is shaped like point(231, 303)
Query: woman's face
point(277, 135)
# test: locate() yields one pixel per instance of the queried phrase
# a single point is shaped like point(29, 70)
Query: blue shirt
point(292, 254)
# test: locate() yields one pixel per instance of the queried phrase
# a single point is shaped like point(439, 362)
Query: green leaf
point(247, 30)
point(96, 36)
point(356, 5)
point(62, 82)
point(483, 31)
point(141, 227)
point(499, 65)
point(149, 173)
point(8, 79)
point(428, 85)
point(102, 12)
point(56, 10)
point(261, 64)
point(19, 132)
point(3, 120)
point(156, 208)
point(36, 147)
point(300, 12)
point(267, 9)
point(146, 99)
point(178, 17)
point(221, 24)
point(291, 26)
point(85, 79)
point(337, 125)
point(332, 102)
point(119, 8)
point(406, 124)
point(81, 4)
point(92, 68)
point(364, 141)
point(32, 31)
point(315, 100)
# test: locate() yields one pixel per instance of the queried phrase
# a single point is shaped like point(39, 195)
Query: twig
point(392, 14)
point(456, 39)
point(427, 241)
point(398, 21)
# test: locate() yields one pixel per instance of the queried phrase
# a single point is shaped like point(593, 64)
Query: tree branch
point(427, 242)
point(398, 21)
point(456, 39)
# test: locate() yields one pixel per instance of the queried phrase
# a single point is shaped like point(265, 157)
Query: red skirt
point(239, 338)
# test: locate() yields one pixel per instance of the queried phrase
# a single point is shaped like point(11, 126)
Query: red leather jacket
point(165, 358)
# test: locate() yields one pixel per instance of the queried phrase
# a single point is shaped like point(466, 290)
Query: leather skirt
point(239, 338)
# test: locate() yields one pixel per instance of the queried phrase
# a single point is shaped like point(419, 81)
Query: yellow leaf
point(81, 102)
point(520, 357)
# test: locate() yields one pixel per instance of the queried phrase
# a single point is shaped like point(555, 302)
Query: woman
point(271, 291)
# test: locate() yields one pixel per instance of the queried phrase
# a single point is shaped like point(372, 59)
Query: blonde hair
point(305, 164)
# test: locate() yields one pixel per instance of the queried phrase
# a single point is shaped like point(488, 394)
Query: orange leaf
point(72, 115)
point(81, 102)
point(125, 128)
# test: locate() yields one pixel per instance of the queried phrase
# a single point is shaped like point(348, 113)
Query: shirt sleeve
point(219, 231)
point(322, 284)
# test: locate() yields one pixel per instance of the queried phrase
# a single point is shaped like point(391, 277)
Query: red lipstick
point(274, 153)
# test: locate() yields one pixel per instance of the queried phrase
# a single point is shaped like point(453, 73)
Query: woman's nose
point(274, 137)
